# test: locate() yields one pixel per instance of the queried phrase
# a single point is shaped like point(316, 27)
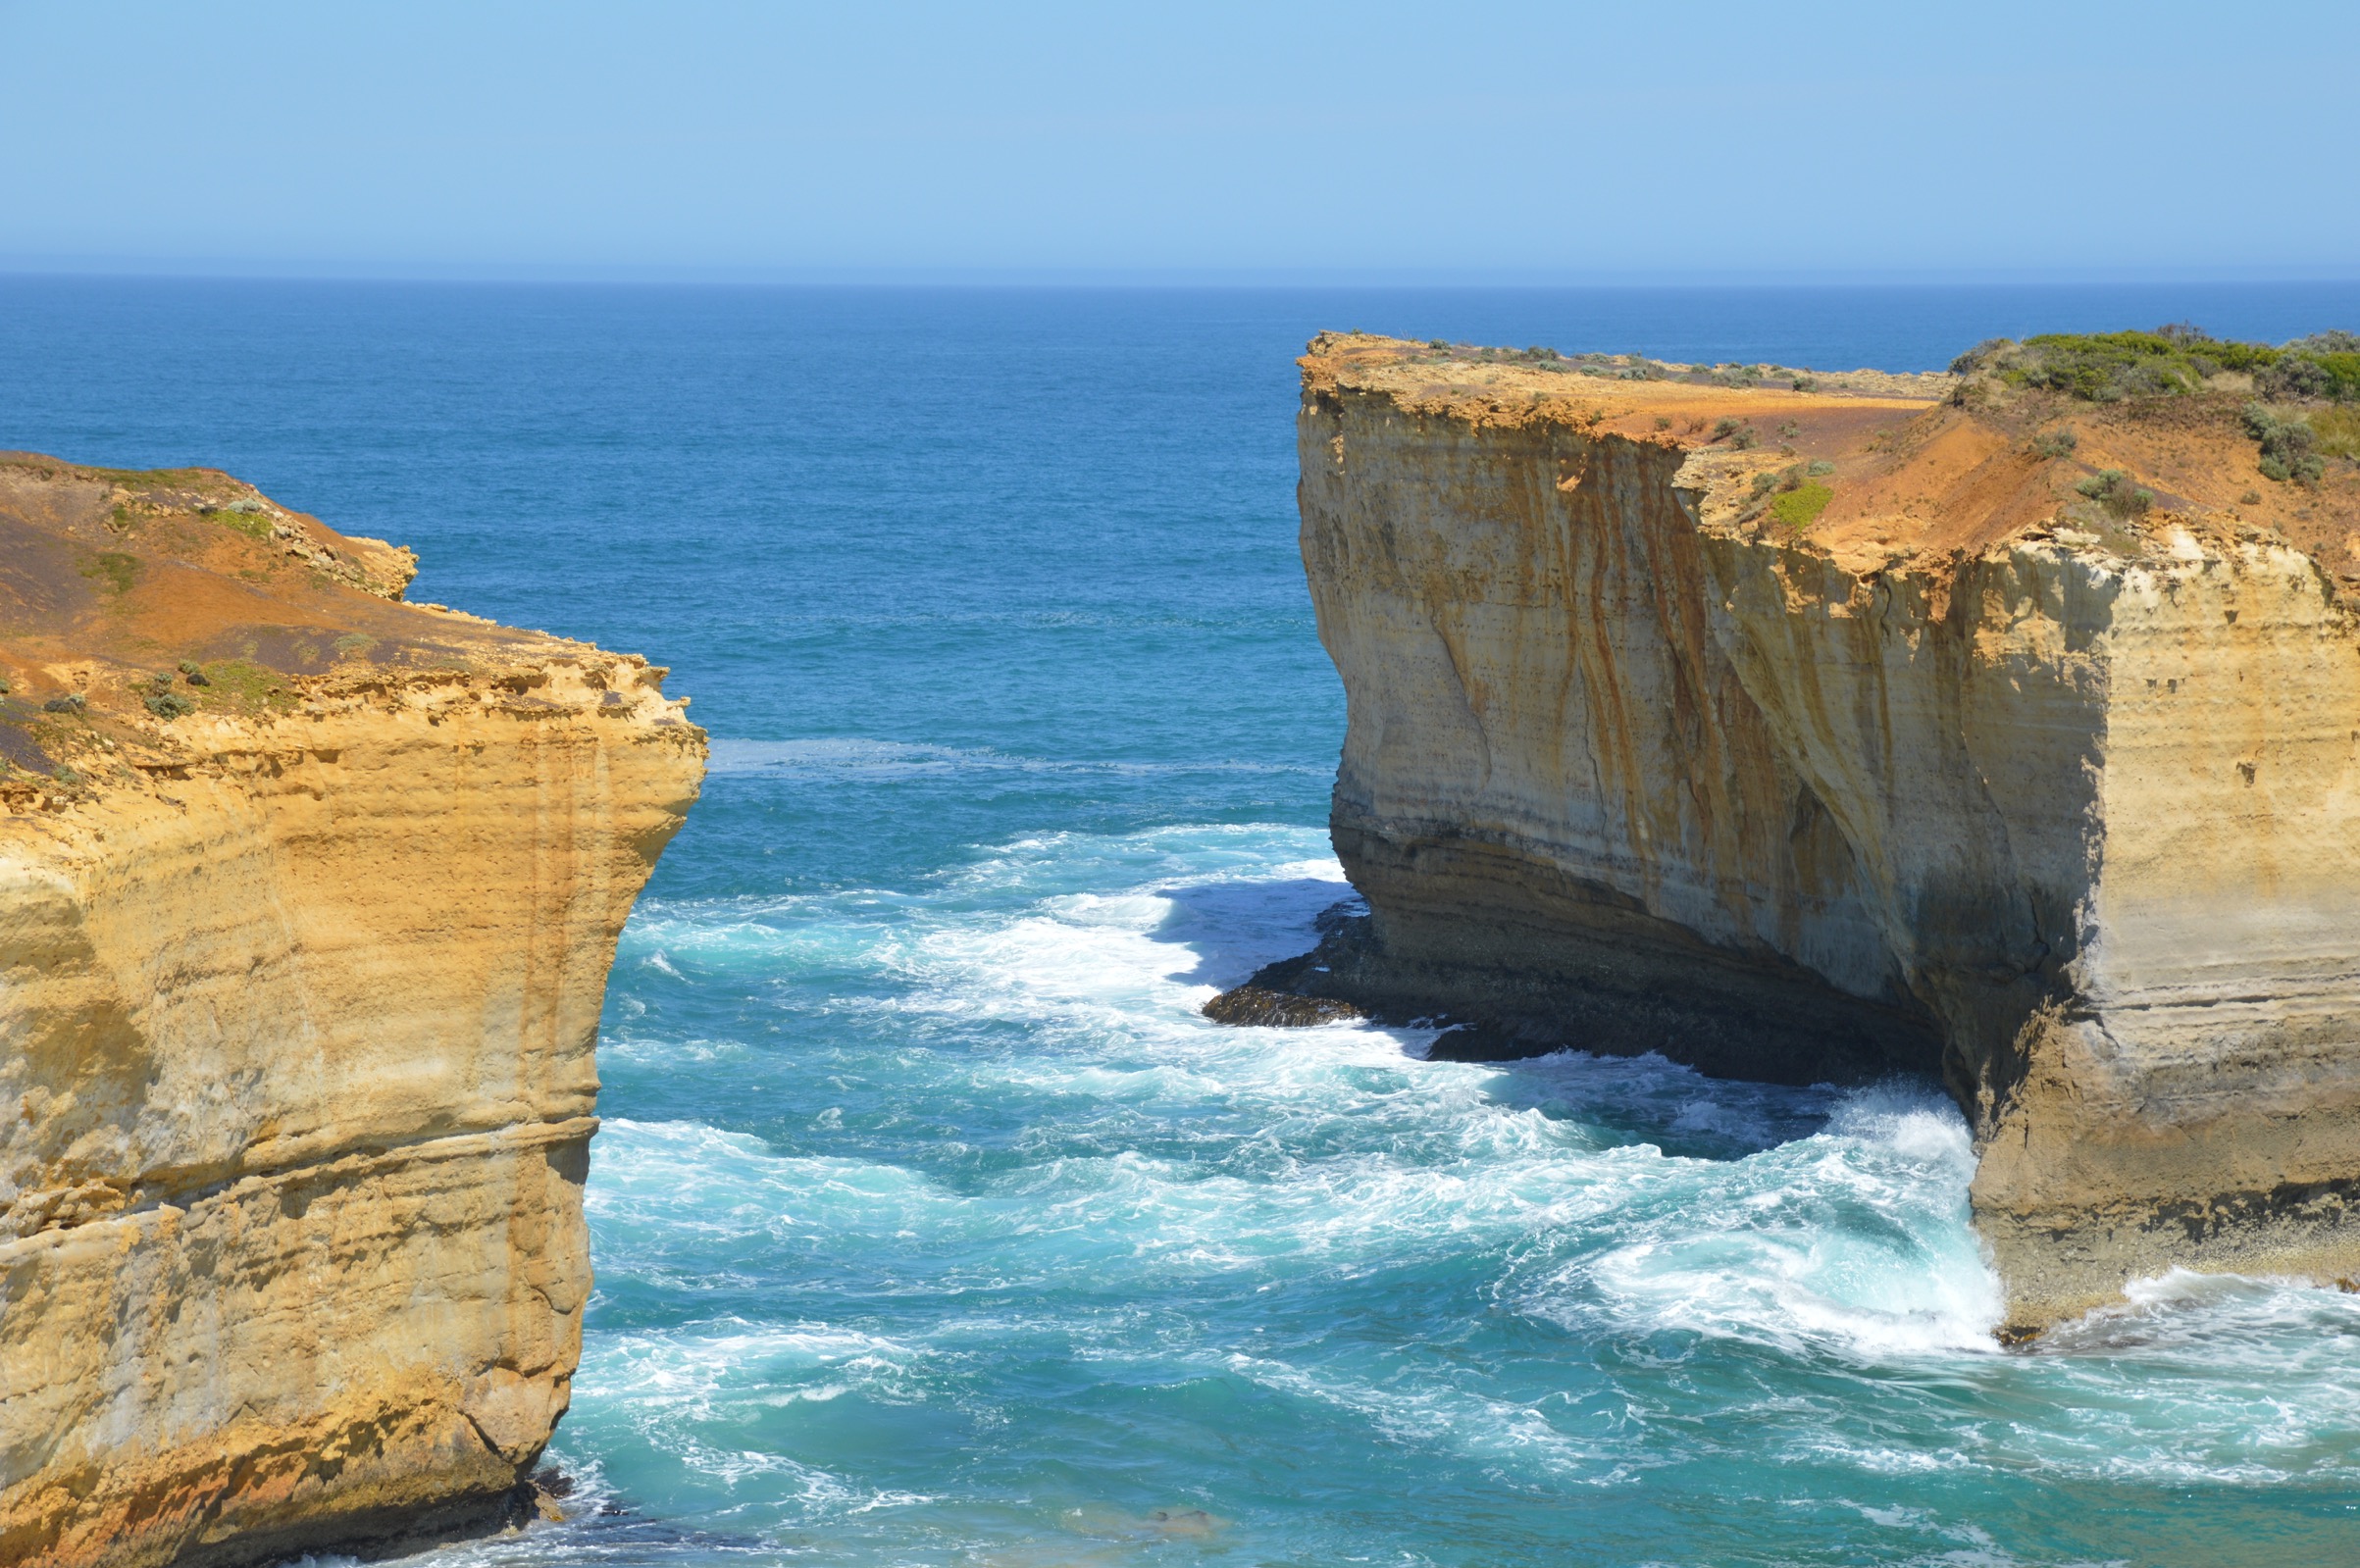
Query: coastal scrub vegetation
point(2169, 362)
point(2303, 396)
point(2115, 491)
point(2287, 446)
point(166, 703)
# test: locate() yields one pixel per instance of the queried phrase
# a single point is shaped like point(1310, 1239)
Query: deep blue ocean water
point(932, 1226)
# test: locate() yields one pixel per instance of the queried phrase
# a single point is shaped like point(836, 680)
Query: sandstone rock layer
point(300, 977)
point(1949, 778)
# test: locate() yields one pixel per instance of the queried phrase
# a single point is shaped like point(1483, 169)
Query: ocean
point(931, 1224)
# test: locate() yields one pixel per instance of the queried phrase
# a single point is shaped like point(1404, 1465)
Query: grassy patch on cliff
point(247, 516)
point(114, 569)
point(1793, 497)
point(154, 478)
point(2337, 432)
point(240, 685)
point(1799, 508)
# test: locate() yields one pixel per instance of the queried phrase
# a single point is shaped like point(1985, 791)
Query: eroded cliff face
point(300, 970)
point(1940, 779)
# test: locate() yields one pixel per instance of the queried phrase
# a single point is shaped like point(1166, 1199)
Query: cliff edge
point(307, 899)
point(2003, 726)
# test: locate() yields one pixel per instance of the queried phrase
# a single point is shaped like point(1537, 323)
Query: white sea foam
point(1156, 1176)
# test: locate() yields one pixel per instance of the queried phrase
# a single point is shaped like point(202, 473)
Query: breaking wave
point(943, 1228)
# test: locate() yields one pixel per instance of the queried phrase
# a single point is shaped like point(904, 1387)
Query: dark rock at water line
point(1250, 1005)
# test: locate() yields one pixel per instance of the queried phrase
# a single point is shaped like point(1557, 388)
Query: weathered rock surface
point(1959, 776)
point(301, 959)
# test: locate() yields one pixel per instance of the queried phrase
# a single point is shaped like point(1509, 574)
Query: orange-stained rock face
point(1961, 773)
point(301, 972)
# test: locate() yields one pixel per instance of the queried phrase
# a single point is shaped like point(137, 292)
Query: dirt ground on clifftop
point(1912, 465)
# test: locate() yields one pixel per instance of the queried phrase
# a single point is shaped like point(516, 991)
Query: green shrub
point(2287, 446)
point(1982, 354)
point(71, 702)
point(194, 673)
point(1821, 466)
point(166, 703)
point(1737, 432)
point(2052, 444)
point(1797, 509)
point(2295, 379)
point(2113, 489)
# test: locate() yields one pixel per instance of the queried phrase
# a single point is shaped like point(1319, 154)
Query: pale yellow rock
point(298, 1005)
point(1945, 783)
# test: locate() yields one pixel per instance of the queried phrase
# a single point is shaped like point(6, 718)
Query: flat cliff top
point(146, 614)
point(1877, 469)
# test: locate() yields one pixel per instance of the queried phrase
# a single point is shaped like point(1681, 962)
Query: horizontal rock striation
point(303, 952)
point(1957, 774)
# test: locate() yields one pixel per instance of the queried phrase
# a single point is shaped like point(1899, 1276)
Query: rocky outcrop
point(1942, 764)
point(307, 898)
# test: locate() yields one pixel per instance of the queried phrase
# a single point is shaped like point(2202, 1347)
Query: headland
point(2000, 725)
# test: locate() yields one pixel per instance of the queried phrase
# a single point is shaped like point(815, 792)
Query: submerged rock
point(1815, 734)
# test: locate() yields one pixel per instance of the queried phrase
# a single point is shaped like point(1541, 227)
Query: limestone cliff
point(307, 898)
point(1816, 732)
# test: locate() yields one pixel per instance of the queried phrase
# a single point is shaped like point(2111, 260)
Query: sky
point(1274, 143)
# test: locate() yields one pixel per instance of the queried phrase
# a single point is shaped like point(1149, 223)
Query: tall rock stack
point(307, 899)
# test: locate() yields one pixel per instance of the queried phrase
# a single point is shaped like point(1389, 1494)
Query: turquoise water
point(932, 1226)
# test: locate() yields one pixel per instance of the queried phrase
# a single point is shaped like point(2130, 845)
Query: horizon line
point(190, 269)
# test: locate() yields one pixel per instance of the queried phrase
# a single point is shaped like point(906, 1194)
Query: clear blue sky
point(1439, 142)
